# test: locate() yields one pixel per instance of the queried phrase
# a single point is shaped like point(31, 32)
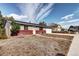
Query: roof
point(31, 24)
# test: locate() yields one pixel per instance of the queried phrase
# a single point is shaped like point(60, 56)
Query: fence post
point(7, 28)
point(34, 32)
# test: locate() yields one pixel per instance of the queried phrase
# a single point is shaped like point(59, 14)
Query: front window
point(25, 27)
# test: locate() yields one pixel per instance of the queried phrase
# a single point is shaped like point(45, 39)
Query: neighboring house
point(32, 28)
point(56, 27)
point(74, 28)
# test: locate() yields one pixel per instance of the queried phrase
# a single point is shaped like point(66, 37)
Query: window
point(25, 27)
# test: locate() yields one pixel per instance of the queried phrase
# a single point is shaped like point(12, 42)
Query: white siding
point(33, 28)
point(48, 30)
point(21, 27)
point(59, 29)
point(34, 32)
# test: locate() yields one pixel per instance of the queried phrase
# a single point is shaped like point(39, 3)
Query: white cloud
point(75, 20)
point(29, 9)
point(66, 24)
point(67, 17)
point(61, 22)
point(18, 17)
point(45, 15)
point(44, 10)
point(69, 21)
point(35, 11)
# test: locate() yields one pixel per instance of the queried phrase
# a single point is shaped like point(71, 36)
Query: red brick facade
point(30, 32)
point(40, 31)
point(25, 32)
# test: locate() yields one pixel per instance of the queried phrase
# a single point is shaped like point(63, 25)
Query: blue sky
point(62, 13)
point(61, 10)
point(8, 8)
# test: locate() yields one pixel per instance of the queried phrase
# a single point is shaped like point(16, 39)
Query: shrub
point(3, 37)
point(2, 27)
point(15, 28)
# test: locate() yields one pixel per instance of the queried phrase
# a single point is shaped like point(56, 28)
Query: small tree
point(14, 27)
point(2, 27)
point(42, 24)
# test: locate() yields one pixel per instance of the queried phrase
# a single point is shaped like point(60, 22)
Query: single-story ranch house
point(27, 28)
point(32, 28)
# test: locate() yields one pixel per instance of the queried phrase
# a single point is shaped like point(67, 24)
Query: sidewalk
point(74, 48)
point(63, 34)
